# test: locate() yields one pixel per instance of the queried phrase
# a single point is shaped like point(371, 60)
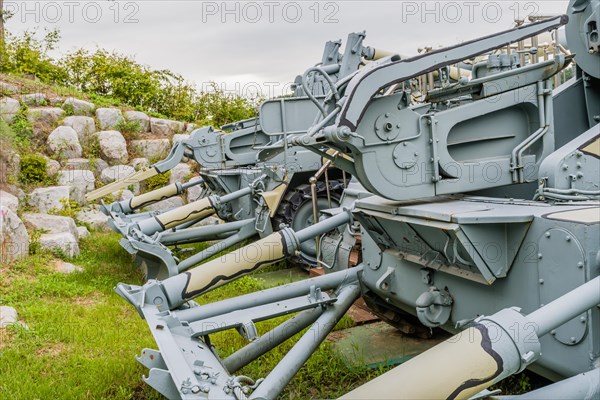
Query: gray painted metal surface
point(438, 248)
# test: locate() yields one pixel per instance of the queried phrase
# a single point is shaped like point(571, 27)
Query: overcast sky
point(268, 43)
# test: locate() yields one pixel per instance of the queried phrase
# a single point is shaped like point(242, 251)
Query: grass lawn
point(81, 337)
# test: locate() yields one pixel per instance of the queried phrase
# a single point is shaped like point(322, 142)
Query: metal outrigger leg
point(187, 366)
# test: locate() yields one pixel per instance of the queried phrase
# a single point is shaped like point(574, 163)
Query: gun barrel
point(121, 184)
point(489, 351)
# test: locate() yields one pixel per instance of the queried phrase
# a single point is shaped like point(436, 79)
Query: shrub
point(113, 79)
point(70, 209)
point(33, 169)
point(157, 181)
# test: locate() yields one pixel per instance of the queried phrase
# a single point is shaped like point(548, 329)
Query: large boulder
point(45, 199)
point(94, 219)
point(140, 163)
point(152, 149)
point(80, 181)
point(9, 108)
point(56, 101)
point(79, 107)
point(77, 163)
point(193, 193)
point(178, 137)
point(113, 147)
point(9, 201)
point(82, 232)
point(84, 126)
point(166, 204)
point(63, 141)
point(52, 167)
point(64, 241)
point(14, 240)
point(142, 120)
point(46, 115)
point(125, 195)
point(50, 223)
point(6, 87)
point(109, 118)
point(8, 316)
point(180, 173)
point(166, 127)
point(34, 99)
point(115, 173)
point(189, 127)
point(98, 165)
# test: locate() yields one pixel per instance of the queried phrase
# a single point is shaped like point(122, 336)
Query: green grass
point(82, 338)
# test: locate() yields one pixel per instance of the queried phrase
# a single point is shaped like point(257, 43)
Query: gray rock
point(64, 241)
point(140, 163)
point(6, 87)
point(67, 268)
point(94, 218)
point(142, 120)
point(152, 149)
point(125, 195)
point(166, 127)
point(192, 194)
point(116, 172)
point(80, 181)
point(9, 201)
point(178, 137)
point(34, 99)
point(82, 232)
point(47, 115)
point(14, 239)
point(52, 167)
point(63, 141)
point(56, 101)
point(10, 163)
point(189, 127)
point(113, 147)
point(166, 204)
point(80, 107)
point(8, 316)
point(77, 163)
point(109, 118)
point(179, 173)
point(84, 126)
point(9, 108)
point(15, 191)
point(45, 199)
point(98, 165)
point(50, 223)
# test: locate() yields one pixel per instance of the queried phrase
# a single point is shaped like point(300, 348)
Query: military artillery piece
point(455, 250)
point(254, 196)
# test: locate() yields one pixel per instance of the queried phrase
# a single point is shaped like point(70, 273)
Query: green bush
point(157, 181)
point(33, 169)
point(114, 79)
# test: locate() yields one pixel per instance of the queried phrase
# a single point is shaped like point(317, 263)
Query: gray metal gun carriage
point(253, 196)
point(453, 250)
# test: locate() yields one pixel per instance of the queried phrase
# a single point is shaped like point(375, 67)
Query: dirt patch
point(91, 299)
point(53, 349)
point(6, 337)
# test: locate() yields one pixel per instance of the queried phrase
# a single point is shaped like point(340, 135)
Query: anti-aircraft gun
point(444, 241)
point(254, 196)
